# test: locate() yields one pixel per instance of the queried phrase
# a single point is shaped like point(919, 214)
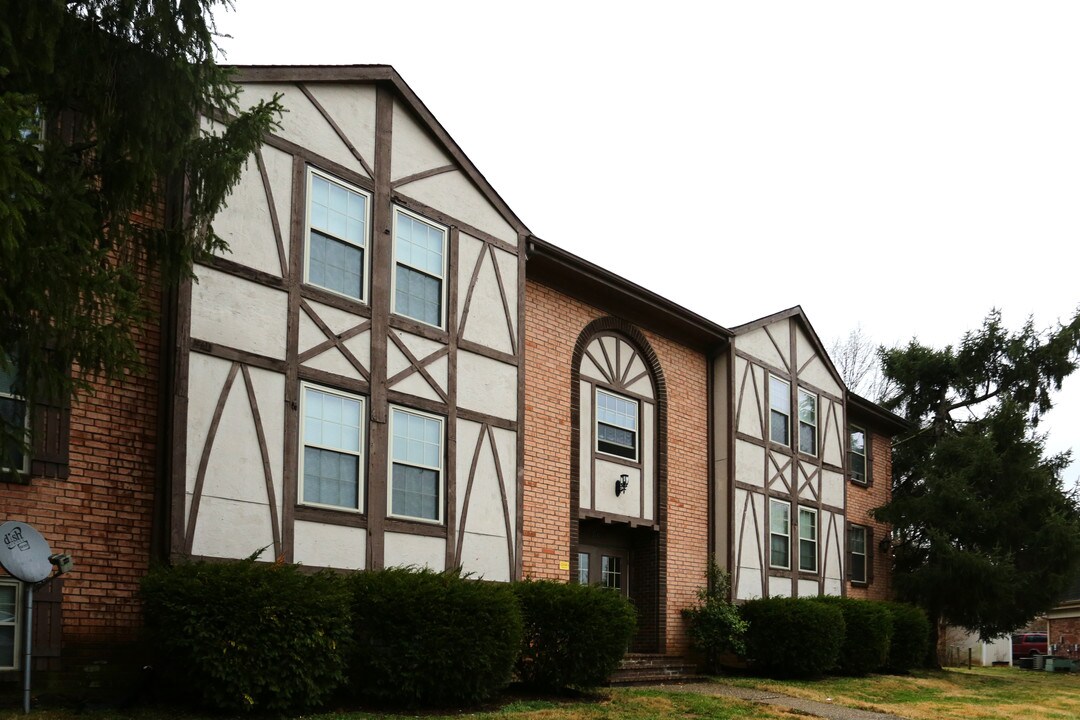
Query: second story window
point(857, 454)
point(779, 411)
point(337, 236)
point(807, 422)
point(616, 425)
point(13, 416)
point(419, 268)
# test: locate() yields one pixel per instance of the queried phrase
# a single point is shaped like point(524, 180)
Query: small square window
point(779, 534)
point(333, 436)
point(808, 402)
point(419, 268)
point(337, 232)
point(616, 425)
point(808, 536)
point(416, 465)
point(779, 411)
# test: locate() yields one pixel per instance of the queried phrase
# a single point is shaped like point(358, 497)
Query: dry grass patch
point(953, 694)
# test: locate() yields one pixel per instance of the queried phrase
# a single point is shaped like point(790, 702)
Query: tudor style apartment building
point(388, 368)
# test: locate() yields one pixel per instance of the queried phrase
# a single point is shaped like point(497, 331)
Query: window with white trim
point(332, 462)
point(779, 534)
point(337, 236)
point(808, 403)
point(857, 454)
point(416, 465)
point(14, 418)
point(419, 268)
point(779, 410)
point(808, 540)
point(857, 555)
point(10, 596)
point(616, 425)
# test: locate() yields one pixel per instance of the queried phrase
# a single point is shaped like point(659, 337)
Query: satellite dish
point(23, 552)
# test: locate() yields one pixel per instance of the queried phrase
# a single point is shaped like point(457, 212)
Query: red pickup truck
point(1025, 644)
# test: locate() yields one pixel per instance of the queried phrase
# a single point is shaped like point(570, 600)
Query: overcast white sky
point(903, 167)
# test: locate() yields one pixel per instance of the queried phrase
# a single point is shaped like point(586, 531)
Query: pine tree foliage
point(100, 108)
point(985, 535)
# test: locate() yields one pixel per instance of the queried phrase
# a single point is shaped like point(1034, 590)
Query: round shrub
point(575, 635)
point(793, 637)
point(422, 638)
point(910, 637)
point(868, 627)
point(242, 636)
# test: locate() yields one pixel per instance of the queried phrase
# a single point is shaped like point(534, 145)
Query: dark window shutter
point(869, 555)
point(847, 544)
point(48, 602)
point(51, 426)
point(869, 458)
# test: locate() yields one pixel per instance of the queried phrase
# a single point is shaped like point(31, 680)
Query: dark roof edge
point(634, 296)
point(381, 73)
point(891, 420)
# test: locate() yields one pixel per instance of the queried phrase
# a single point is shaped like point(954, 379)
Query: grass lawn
point(613, 704)
point(960, 694)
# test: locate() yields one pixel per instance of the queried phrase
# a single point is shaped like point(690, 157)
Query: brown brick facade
point(553, 324)
point(861, 499)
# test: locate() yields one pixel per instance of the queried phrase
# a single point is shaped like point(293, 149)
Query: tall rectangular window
point(779, 534)
point(9, 627)
point(857, 554)
point(333, 448)
point(616, 425)
point(611, 572)
point(583, 568)
point(337, 236)
point(807, 422)
point(13, 416)
point(779, 411)
point(419, 268)
point(857, 454)
point(417, 463)
point(808, 535)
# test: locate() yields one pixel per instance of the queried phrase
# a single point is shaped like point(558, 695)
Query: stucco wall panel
point(421, 551)
point(353, 109)
point(487, 386)
point(456, 195)
point(238, 314)
point(246, 226)
point(232, 529)
point(413, 149)
point(334, 546)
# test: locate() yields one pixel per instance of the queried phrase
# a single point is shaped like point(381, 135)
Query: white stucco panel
point(832, 488)
point(808, 482)
point(750, 394)
point(648, 455)
point(245, 224)
point(749, 463)
point(279, 168)
point(808, 588)
point(643, 386)
point(781, 587)
point(332, 546)
point(332, 361)
point(232, 529)
point(484, 514)
point(486, 557)
point(774, 350)
point(353, 109)
point(206, 378)
point(467, 433)
point(468, 250)
point(395, 359)
point(585, 446)
point(455, 195)
point(419, 346)
point(629, 503)
point(402, 550)
point(416, 384)
point(238, 314)
point(833, 587)
point(413, 149)
point(832, 451)
point(816, 373)
point(781, 469)
point(487, 323)
point(749, 529)
point(303, 124)
point(487, 386)
point(590, 370)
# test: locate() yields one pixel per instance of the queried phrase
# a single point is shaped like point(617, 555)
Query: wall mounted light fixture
point(621, 484)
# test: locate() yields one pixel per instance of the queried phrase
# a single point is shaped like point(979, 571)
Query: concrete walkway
point(763, 697)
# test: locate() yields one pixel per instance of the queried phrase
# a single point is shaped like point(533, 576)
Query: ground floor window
point(9, 624)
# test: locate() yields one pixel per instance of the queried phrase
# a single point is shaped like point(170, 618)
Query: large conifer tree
point(100, 107)
point(985, 534)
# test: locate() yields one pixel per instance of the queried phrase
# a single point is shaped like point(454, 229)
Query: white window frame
point(864, 580)
point(25, 469)
point(441, 504)
point(817, 402)
point(17, 624)
point(636, 430)
point(365, 272)
point(772, 409)
point(811, 540)
point(786, 534)
point(443, 280)
point(864, 480)
point(361, 459)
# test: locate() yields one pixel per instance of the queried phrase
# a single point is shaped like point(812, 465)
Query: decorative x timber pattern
point(808, 481)
point(208, 446)
point(335, 340)
point(486, 432)
point(418, 366)
point(778, 471)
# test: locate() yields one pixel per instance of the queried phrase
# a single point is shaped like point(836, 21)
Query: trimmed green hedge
point(867, 629)
point(422, 638)
point(242, 636)
point(910, 637)
point(793, 637)
point(575, 635)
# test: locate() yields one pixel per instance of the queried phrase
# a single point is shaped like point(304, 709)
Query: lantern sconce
point(621, 484)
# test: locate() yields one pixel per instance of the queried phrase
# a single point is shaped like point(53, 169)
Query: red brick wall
point(553, 323)
point(1065, 633)
point(860, 501)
